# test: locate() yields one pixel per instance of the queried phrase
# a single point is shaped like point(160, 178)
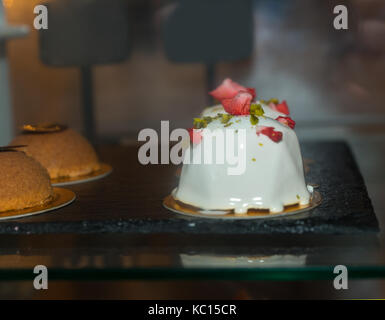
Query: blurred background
point(133, 63)
point(329, 77)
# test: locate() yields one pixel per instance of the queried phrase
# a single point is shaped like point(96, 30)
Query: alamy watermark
point(340, 22)
point(341, 280)
point(214, 147)
point(41, 19)
point(40, 282)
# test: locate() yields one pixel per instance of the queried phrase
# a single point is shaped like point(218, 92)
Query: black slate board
point(130, 201)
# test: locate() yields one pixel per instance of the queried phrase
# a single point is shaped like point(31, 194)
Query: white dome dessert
point(273, 177)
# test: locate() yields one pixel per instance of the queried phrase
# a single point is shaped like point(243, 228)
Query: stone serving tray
point(130, 201)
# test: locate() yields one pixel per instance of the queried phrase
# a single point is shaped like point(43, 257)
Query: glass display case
point(109, 69)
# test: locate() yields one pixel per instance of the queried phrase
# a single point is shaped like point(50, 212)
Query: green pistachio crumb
point(254, 120)
point(256, 110)
point(273, 100)
point(298, 197)
point(197, 124)
point(226, 118)
point(207, 119)
point(200, 123)
point(253, 159)
point(228, 124)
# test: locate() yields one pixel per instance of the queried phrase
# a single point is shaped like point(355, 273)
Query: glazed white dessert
point(273, 178)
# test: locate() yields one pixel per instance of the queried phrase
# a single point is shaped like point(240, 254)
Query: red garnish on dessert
point(195, 135)
point(280, 107)
point(276, 136)
point(252, 92)
point(238, 105)
point(229, 89)
point(286, 121)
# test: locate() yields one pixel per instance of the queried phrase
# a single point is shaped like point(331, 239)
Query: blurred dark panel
point(82, 34)
point(85, 33)
point(209, 31)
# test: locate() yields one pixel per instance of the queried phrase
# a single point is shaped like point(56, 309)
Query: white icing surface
point(274, 179)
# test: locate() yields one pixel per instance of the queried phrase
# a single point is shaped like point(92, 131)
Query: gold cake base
point(177, 206)
point(105, 170)
point(60, 198)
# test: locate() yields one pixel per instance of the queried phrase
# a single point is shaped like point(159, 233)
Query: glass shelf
point(118, 229)
point(175, 257)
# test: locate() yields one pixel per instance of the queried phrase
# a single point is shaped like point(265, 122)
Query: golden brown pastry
point(24, 183)
point(64, 153)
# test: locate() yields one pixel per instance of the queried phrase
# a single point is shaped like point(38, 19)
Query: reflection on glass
point(217, 261)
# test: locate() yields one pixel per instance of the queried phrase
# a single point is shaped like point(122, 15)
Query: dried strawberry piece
point(195, 135)
point(228, 89)
point(286, 121)
point(275, 136)
point(280, 107)
point(252, 92)
point(238, 105)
